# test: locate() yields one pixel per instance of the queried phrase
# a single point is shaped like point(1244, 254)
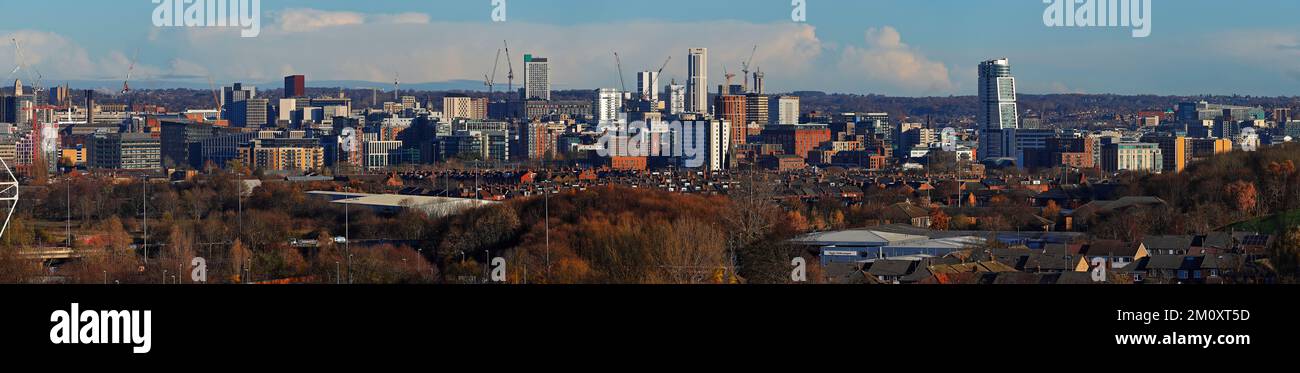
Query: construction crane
point(619, 62)
point(510, 74)
point(659, 73)
point(126, 86)
point(216, 96)
point(18, 54)
point(490, 82)
point(729, 75)
point(744, 67)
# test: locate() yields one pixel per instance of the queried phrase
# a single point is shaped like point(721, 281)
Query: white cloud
point(308, 20)
point(424, 51)
point(327, 45)
point(1269, 49)
point(305, 20)
point(887, 59)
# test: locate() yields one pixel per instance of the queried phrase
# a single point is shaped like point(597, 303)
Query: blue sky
point(893, 47)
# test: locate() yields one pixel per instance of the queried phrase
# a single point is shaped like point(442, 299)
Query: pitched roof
point(908, 210)
point(1173, 242)
point(886, 267)
point(1174, 262)
point(1110, 248)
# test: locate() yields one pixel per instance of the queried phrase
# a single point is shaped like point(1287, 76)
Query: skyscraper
point(697, 69)
point(295, 86)
point(609, 103)
point(537, 78)
point(997, 95)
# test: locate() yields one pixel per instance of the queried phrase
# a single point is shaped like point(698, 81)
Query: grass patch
point(1269, 224)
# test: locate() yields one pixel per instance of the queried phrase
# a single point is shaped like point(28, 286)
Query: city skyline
point(879, 47)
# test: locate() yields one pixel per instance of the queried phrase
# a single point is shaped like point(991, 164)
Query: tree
point(1052, 210)
point(1285, 253)
point(1242, 195)
point(939, 221)
point(238, 257)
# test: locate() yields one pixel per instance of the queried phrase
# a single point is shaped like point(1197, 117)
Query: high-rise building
point(756, 109)
point(717, 149)
point(997, 96)
point(248, 113)
point(237, 92)
point(18, 87)
point(537, 78)
point(697, 69)
point(732, 108)
point(608, 105)
point(90, 106)
point(647, 86)
point(676, 98)
point(783, 110)
point(295, 86)
point(59, 95)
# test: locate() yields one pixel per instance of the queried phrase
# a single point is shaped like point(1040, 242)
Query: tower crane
point(619, 62)
point(745, 68)
point(510, 74)
point(126, 86)
point(22, 65)
point(490, 82)
point(216, 96)
point(729, 75)
point(655, 82)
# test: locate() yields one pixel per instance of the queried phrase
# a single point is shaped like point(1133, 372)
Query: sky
point(888, 47)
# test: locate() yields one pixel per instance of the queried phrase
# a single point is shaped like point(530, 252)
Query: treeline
point(619, 235)
point(603, 235)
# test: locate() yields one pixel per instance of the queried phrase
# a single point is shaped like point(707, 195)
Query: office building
point(248, 113)
point(125, 151)
point(998, 111)
point(783, 110)
point(1176, 151)
point(377, 153)
point(295, 86)
point(1132, 156)
point(460, 106)
point(537, 78)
